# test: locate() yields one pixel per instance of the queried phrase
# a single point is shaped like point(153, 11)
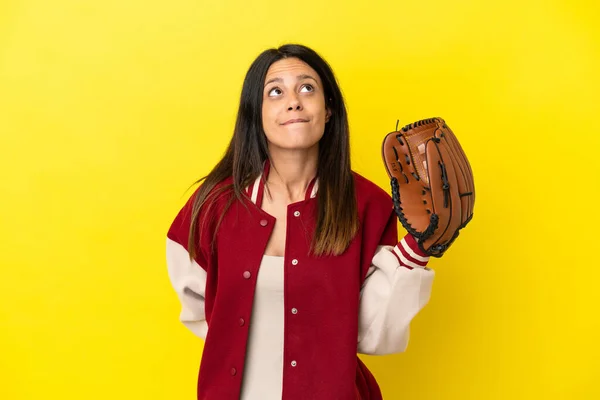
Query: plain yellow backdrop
point(110, 109)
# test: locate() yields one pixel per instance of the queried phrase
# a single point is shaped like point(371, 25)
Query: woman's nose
point(294, 103)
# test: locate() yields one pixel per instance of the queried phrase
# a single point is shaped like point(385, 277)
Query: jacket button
point(296, 213)
point(294, 262)
point(263, 222)
point(247, 274)
point(294, 363)
point(294, 311)
point(242, 321)
point(233, 371)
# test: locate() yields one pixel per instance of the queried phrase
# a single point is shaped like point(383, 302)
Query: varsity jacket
point(361, 301)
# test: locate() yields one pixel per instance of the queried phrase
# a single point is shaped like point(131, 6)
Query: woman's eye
point(271, 91)
point(310, 86)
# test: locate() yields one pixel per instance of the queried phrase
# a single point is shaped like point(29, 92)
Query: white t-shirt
point(263, 372)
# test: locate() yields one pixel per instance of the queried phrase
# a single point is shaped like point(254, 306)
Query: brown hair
point(337, 215)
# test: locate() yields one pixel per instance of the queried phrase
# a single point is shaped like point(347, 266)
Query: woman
point(286, 262)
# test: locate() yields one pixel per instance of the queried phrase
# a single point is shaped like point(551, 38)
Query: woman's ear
point(328, 115)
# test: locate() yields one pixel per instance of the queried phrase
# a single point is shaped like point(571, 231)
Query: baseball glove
point(432, 183)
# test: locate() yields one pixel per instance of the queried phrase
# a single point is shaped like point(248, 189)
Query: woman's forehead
point(290, 68)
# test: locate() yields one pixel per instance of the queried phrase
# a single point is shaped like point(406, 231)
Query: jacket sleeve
point(398, 285)
point(187, 276)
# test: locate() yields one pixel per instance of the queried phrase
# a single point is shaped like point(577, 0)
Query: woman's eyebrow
point(299, 77)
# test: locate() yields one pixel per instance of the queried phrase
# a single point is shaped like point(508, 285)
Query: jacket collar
point(256, 190)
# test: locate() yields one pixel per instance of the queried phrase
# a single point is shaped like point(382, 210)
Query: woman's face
point(293, 90)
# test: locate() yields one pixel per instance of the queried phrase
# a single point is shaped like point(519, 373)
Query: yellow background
point(110, 109)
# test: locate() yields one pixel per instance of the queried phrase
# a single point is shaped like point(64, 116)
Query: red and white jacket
point(361, 301)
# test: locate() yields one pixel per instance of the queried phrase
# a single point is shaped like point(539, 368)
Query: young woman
point(285, 260)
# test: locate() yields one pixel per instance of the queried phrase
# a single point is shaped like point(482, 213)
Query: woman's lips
point(293, 121)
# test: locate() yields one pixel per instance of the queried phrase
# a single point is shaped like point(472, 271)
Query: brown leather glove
point(432, 182)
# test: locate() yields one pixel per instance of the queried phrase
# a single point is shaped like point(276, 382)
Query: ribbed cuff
point(408, 253)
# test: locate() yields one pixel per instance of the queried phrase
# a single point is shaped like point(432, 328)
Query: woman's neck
point(291, 171)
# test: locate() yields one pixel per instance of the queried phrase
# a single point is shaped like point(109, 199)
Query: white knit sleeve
point(397, 287)
point(189, 281)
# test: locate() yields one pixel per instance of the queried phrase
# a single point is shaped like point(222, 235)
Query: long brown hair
point(337, 215)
